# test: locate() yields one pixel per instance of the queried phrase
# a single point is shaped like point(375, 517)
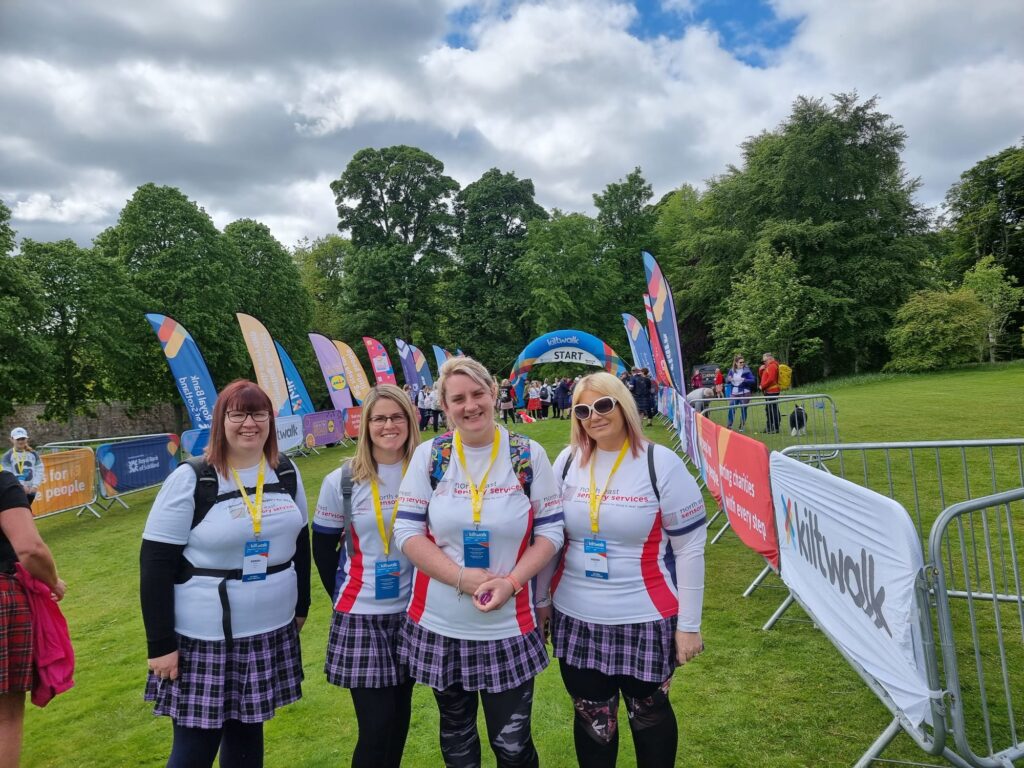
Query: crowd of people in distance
point(737, 386)
point(448, 563)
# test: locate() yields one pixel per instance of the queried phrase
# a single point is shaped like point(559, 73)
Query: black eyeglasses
point(239, 417)
point(395, 418)
point(602, 406)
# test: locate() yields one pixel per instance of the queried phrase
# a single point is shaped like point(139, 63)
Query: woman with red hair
point(225, 570)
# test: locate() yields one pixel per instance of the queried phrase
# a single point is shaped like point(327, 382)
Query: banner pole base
point(778, 612)
point(883, 740)
point(721, 532)
point(90, 508)
point(757, 582)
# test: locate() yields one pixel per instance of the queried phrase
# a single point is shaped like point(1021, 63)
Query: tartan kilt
point(362, 651)
point(261, 673)
point(15, 637)
point(645, 651)
point(475, 665)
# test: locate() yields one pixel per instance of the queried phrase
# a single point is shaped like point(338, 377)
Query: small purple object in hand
point(485, 598)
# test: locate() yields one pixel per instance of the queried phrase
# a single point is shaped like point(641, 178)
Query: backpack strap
point(346, 505)
point(207, 485)
point(652, 472)
point(567, 465)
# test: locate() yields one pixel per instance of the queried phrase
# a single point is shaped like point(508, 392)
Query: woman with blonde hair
point(478, 516)
point(357, 508)
point(623, 619)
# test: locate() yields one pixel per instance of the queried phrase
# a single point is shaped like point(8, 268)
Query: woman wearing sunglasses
point(478, 516)
point(357, 508)
point(742, 380)
point(620, 623)
point(224, 574)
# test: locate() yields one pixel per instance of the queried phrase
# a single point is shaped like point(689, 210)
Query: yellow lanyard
point(595, 497)
point(19, 460)
point(385, 533)
point(255, 509)
point(477, 492)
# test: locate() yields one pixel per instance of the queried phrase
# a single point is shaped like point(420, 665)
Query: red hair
point(239, 395)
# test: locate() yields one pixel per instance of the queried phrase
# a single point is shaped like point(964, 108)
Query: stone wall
point(111, 420)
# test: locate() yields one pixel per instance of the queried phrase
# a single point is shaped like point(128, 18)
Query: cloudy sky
point(252, 107)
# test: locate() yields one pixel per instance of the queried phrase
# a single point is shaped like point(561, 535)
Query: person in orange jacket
point(769, 383)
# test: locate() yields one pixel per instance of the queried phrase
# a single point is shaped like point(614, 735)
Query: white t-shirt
point(445, 513)
point(357, 593)
point(219, 542)
point(637, 531)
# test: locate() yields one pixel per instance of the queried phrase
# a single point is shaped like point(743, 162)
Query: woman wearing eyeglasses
point(357, 508)
point(479, 516)
point(621, 624)
point(742, 380)
point(225, 569)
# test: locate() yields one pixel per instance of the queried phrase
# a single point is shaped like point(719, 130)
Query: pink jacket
point(52, 654)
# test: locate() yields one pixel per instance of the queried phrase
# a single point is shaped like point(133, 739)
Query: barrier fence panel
point(135, 464)
point(803, 419)
point(976, 549)
point(69, 483)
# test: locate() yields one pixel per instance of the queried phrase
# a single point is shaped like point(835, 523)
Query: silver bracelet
point(458, 584)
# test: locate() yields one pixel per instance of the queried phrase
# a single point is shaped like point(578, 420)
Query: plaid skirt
point(15, 637)
point(645, 651)
point(260, 674)
point(475, 665)
point(362, 650)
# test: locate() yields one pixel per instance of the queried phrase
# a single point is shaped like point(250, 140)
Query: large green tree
point(1001, 296)
point(176, 263)
point(936, 330)
point(985, 212)
point(828, 185)
point(22, 352)
point(396, 195)
point(81, 292)
point(493, 214)
point(321, 264)
point(627, 222)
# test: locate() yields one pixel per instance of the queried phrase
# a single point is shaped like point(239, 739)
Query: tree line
point(813, 246)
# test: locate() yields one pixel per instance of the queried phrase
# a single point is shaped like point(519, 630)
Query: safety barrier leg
point(778, 612)
point(111, 502)
point(757, 582)
point(88, 507)
point(721, 531)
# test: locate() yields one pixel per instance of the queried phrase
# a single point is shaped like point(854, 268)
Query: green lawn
point(782, 698)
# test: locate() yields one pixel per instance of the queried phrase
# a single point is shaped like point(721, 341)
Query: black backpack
point(207, 484)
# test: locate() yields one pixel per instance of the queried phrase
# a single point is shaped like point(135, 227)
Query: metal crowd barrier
point(973, 578)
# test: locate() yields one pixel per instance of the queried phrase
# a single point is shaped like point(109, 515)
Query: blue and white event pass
point(476, 546)
point(595, 558)
point(386, 579)
point(257, 556)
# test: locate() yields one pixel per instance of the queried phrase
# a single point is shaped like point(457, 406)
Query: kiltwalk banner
point(422, 369)
point(405, 354)
point(191, 376)
point(639, 344)
point(663, 310)
point(853, 557)
point(302, 403)
point(440, 355)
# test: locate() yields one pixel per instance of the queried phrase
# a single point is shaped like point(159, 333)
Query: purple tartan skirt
point(645, 651)
point(475, 665)
point(362, 650)
point(260, 674)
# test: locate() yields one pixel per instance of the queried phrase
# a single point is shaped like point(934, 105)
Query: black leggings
point(595, 697)
point(240, 745)
point(506, 412)
point(383, 717)
point(507, 715)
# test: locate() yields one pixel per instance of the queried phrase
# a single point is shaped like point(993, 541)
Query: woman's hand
point(165, 667)
point(57, 592)
point(472, 578)
point(299, 621)
point(544, 614)
point(688, 646)
point(492, 594)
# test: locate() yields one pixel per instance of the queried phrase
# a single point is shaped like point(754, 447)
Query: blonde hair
point(604, 383)
point(364, 466)
point(466, 366)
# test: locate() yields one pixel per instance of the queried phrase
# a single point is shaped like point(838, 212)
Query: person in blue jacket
point(742, 380)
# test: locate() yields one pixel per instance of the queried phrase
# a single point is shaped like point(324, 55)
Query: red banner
point(707, 436)
point(353, 416)
point(747, 492)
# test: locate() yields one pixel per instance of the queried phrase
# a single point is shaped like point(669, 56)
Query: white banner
point(289, 432)
point(852, 556)
point(568, 355)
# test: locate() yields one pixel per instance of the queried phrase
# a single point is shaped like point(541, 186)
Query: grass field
point(775, 699)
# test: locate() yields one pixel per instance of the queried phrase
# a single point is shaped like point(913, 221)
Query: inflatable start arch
point(568, 346)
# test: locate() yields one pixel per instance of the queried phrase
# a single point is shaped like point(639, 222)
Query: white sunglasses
point(602, 405)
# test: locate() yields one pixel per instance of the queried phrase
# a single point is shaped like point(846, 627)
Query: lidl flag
point(333, 371)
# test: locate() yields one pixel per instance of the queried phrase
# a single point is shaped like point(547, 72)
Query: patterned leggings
point(595, 697)
point(507, 715)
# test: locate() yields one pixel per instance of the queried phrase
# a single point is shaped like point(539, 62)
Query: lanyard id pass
point(255, 508)
point(595, 558)
point(385, 531)
point(476, 492)
point(386, 579)
point(595, 497)
point(257, 557)
point(476, 548)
